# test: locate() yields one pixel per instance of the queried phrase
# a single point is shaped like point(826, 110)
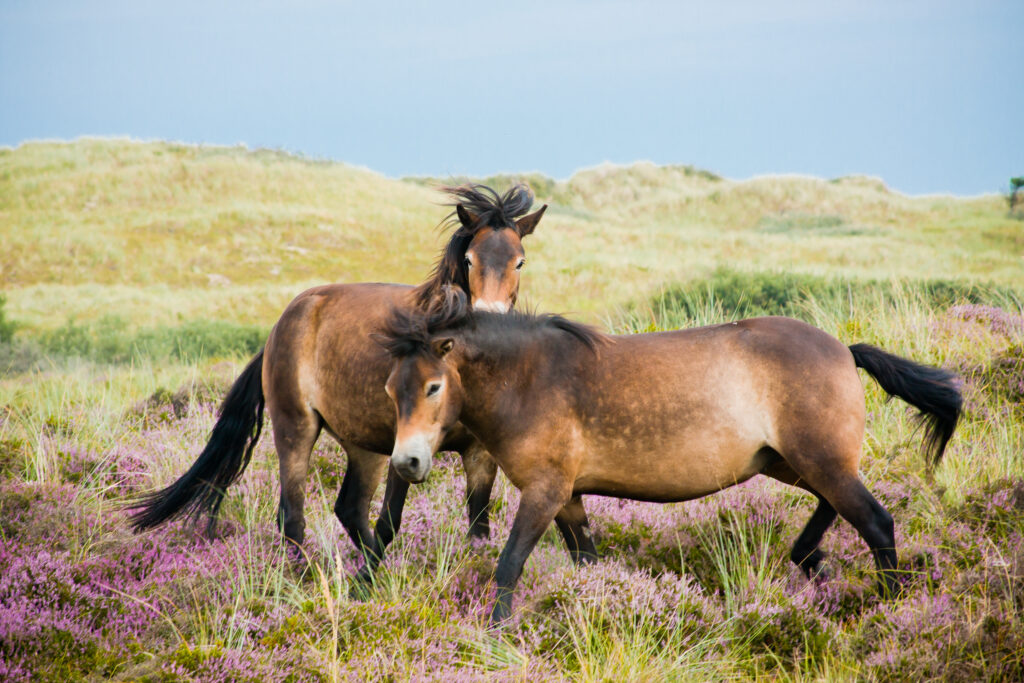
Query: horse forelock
point(492, 211)
point(407, 332)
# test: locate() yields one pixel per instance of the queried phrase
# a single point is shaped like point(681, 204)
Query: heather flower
point(996, 320)
point(78, 591)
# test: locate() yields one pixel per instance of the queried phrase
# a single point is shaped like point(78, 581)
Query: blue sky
point(927, 95)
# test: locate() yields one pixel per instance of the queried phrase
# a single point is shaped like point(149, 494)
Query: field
point(139, 277)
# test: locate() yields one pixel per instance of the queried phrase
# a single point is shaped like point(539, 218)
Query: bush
point(1013, 198)
point(742, 294)
point(800, 222)
point(200, 339)
point(111, 340)
point(7, 327)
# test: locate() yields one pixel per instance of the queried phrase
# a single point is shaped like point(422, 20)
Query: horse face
point(428, 397)
point(493, 262)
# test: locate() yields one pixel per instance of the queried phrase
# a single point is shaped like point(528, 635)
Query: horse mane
point(490, 210)
point(410, 331)
point(500, 325)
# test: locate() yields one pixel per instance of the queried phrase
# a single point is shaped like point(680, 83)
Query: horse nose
point(414, 464)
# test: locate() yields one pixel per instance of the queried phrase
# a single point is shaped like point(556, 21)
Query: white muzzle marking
point(491, 306)
point(413, 457)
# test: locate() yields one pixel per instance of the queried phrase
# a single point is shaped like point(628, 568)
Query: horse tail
point(933, 391)
point(226, 455)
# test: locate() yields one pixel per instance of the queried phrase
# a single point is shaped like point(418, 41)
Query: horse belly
point(678, 469)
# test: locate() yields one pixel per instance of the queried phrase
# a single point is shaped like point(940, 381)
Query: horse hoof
point(820, 574)
point(362, 586)
point(890, 588)
point(499, 617)
point(296, 557)
point(497, 625)
point(359, 592)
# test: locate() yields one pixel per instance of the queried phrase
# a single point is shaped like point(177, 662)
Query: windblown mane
point(491, 211)
point(501, 324)
point(407, 332)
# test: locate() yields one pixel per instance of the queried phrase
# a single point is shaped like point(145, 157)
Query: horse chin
point(492, 306)
point(412, 477)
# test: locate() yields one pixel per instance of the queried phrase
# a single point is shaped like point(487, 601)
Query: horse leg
point(575, 527)
point(480, 473)
point(805, 554)
point(537, 507)
point(390, 519)
point(353, 505)
point(294, 436)
point(874, 524)
point(844, 493)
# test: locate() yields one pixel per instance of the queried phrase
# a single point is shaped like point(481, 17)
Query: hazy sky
point(928, 95)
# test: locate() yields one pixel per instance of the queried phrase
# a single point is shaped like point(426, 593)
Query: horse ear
point(466, 217)
point(527, 223)
point(442, 346)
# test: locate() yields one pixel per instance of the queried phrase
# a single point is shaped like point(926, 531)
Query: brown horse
point(666, 416)
point(320, 371)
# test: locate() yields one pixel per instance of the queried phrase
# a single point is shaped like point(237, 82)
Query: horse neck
point(421, 295)
point(504, 380)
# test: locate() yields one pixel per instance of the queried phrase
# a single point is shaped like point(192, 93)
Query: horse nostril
point(414, 463)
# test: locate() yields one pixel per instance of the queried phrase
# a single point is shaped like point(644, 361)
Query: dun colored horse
point(666, 416)
point(320, 371)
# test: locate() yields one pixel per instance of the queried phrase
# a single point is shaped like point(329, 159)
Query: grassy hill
point(159, 233)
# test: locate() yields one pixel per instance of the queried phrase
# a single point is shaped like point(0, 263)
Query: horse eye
point(433, 389)
point(522, 262)
point(468, 262)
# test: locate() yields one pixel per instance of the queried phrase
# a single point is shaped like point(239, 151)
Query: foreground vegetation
point(119, 398)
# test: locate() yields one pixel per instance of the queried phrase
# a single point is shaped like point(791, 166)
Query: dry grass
point(162, 232)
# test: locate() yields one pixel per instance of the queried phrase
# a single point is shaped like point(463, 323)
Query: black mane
point(408, 332)
point(490, 210)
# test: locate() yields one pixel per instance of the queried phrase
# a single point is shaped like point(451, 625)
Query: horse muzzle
point(413, 457)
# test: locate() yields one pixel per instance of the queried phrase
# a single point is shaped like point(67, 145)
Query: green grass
point(734, 294)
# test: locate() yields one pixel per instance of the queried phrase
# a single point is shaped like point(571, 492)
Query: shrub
point(18, 357)
point(799, 222)
point(110, 340)
point(199, 339)
point(15, 356)
point(7, 327)
point(742, 294)
point(1012, 197)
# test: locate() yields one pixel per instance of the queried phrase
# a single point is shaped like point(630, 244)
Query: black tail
point(931, 390)
point(201, 490)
